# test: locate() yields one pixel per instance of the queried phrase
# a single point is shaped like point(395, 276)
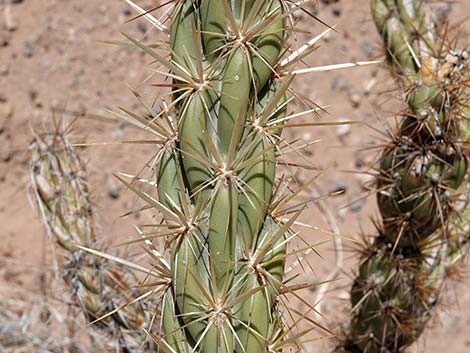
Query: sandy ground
point(52, 63)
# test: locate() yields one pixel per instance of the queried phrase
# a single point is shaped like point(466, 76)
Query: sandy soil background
point(51, 62)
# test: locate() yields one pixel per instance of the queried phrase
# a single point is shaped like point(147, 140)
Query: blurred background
point(56, 61)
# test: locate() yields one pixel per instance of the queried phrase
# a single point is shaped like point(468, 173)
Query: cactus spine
point(419, 186)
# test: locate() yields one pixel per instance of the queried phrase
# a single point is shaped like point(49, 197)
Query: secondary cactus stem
point(59, 182)
point(421, 179)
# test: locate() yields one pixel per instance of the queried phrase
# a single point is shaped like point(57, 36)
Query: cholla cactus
point(216, 173)
point(227, 263)
point(104, 290)
point(226, 226)
point(419, 187)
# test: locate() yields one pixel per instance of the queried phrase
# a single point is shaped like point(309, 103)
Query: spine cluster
point(421, 193)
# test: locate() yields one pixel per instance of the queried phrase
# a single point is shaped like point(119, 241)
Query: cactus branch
point(104, 290)
point(421, 185)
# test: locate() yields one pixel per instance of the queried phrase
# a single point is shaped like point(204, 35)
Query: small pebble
point(307, 136)
point(355, 100)
point(6, 110)
point(336, 11)
point(4, 69)
point(334, 83)
point(341, 214)
point(357, 202)
point(343, 130)
point(142, 27)
point(114, 192)
point(33, 95)
point(118, 133)
point(6, 154)
point(28, 50)
point(10, 23)
point(103, 8)
point(367, 48)
point(4, 39)
point(72, 34)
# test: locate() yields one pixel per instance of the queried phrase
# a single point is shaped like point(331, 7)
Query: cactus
point(216, 174)
point(225, 226)
point(420, 185)
point(104, 290)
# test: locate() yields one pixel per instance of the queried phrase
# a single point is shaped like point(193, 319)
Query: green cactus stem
point(216, 173)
